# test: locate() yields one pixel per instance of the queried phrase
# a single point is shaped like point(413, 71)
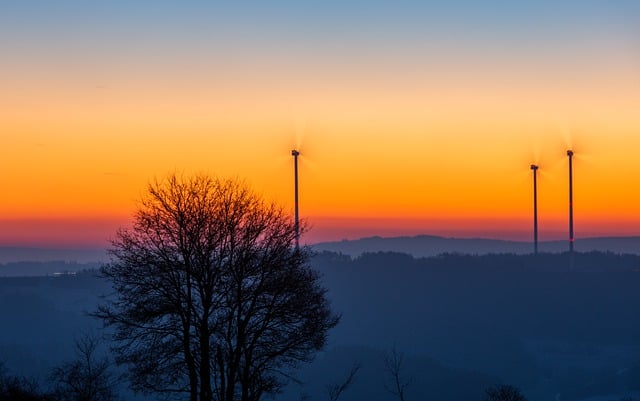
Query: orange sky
point(393, 140)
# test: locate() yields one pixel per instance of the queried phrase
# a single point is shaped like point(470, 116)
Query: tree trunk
point(189, 359)
point(205, 363)
point(191, 367)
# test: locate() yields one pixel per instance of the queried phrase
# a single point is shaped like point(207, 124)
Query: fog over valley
point(462, 323)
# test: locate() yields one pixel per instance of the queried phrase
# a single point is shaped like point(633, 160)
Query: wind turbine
point(534, 168)
point(298, 150)
point(295, 155)
point(571, 238)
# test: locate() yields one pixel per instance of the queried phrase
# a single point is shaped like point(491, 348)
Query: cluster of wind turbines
point(534, 168)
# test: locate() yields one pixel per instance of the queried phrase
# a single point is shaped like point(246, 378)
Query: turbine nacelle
point(295, 153)
point(534, 167)
point(570, 153)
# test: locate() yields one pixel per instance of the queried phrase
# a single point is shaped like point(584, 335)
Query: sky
point(411, 117)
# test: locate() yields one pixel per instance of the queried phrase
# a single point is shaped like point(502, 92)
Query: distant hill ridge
point(418, 246)
point(430, 245)
point(24, 254)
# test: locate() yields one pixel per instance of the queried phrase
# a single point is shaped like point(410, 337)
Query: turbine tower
point(534, 168)
point(571, 238)
point(295, 155)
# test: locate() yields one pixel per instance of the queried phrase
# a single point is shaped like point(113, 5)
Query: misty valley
point(459, 324)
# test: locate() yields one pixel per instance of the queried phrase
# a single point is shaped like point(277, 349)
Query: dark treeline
point(544, 262)
point(428, 245)
point(452, 295)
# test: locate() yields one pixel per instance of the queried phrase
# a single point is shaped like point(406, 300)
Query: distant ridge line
point(9, 254)
point(431, 245)
point(423, 245)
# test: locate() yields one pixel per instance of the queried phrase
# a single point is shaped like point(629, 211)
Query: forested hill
point(533, 321)
point(404, 263)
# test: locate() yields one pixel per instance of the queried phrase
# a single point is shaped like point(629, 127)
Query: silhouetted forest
point(530, 320)
point(462, 323)
point(430, 245)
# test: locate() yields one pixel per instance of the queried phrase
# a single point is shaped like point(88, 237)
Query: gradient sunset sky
point(412, 117)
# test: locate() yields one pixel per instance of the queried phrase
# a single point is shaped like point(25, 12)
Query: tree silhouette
point(212, 297)
point(335, 391)
point(393, 364)
point(87, 378)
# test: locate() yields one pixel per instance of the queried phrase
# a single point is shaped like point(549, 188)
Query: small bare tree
point(87, 378)
point(397, 383)
point(335, 391)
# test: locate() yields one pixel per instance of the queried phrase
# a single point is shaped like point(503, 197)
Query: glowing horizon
point(411, 119)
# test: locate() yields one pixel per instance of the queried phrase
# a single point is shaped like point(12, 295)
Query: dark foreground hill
point(534, 322)
point(463, 322)
point(427, 245)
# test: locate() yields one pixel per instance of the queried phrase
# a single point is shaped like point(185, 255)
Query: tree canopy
point(212, 297)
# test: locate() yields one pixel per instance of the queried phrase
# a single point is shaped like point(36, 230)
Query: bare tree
point(397, 383)
point(87, 378)
point(504, 393)
point(335, 391)
point(212, 298)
